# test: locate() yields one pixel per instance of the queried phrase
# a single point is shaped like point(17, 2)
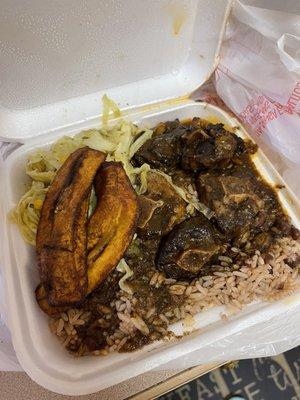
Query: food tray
point(39, 351)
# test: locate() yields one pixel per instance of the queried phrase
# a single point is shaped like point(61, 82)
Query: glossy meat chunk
point(208, 147)
point(240, 202)
point(189, 248)
point(61, 237)
point(161, 207)
point(192, 146)
point(164, 149)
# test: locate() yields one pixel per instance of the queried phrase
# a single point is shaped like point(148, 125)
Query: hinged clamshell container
point(58, 58)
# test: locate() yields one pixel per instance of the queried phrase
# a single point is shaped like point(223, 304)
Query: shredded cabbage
point(142, 171)
point(27, 213)
point(124, 268)
point(43, 164)
point(108, 106)
point(138, 143)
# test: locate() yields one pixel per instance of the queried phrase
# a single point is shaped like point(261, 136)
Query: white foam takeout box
point(58, 59)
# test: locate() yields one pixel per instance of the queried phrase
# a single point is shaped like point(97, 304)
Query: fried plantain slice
point(62, 234)
point(112, 226)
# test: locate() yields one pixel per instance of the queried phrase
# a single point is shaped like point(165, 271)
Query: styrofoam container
point(38, 119)
point(38, 350)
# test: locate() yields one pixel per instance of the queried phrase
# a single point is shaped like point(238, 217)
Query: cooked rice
point(268, 277)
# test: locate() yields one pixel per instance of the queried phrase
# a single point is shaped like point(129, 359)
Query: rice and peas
point(257, 279)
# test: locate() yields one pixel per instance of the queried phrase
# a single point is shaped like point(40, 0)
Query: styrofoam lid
point(58, 57)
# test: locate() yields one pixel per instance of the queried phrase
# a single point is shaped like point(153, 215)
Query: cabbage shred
point(27, 213)
point(124, 268)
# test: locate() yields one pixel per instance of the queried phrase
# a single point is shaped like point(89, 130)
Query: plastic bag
point(259, 80)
